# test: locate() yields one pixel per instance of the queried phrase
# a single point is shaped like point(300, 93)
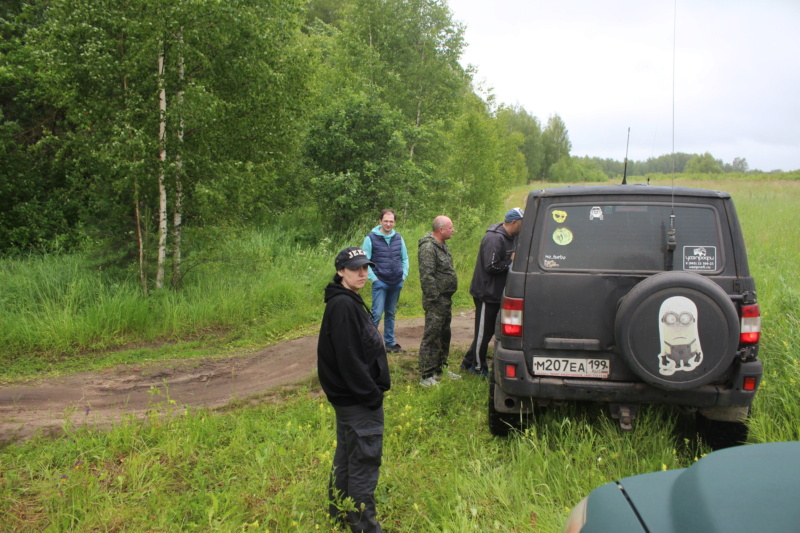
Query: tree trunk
point(139, 238)
point(162, 157)
point(177, 224)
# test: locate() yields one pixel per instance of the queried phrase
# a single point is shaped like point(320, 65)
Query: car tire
point(501, 424)
point(677, 330)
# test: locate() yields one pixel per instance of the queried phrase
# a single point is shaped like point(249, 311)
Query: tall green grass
point(64, 313)
point(265, 467)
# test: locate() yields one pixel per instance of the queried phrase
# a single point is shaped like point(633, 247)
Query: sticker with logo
point(562, 236)
point(680, 339)
point(700, 258)
point(552, 261)
point(559, 216)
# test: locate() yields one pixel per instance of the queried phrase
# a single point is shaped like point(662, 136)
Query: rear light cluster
point(511, 320)
point(750, 328)
point(511, 317)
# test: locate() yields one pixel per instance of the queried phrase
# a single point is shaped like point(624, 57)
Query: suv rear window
point(630, 237)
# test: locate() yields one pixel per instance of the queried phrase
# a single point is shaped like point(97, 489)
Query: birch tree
point(181, 103)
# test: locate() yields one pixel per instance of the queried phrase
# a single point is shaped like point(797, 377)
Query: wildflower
point(664, 467)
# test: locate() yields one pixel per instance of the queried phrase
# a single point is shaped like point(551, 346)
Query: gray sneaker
point(453, 375)
point(428, 382)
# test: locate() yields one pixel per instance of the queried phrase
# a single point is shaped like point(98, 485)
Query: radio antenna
point(671, 232)
point(625, 166)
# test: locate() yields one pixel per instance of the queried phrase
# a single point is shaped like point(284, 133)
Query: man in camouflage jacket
point(438, 281)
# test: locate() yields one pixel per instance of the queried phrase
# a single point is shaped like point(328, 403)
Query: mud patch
point(99, 399)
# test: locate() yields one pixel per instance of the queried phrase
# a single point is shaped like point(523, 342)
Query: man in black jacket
point(354, 373)
point(488, 281)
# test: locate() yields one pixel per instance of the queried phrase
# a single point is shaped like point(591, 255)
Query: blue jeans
point(384, 300)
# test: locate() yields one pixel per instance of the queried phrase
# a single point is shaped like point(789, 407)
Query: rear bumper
point(520, 394)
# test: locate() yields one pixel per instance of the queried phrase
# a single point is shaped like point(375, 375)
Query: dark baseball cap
point(352, 258)
point(514, 214)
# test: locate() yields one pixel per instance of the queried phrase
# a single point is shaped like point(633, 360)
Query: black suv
point(626, 295)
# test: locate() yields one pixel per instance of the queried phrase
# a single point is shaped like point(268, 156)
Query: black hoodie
point(491, 268)
point(351, 358)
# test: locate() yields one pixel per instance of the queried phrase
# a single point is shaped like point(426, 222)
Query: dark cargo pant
point(435, 346)
point(356, 465)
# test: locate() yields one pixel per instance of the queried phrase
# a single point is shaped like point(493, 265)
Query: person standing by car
point(488, 280)
point(438, 280)
point(354, 373)
point(387, 249)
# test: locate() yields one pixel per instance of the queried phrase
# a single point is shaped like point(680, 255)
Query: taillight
point(511, 317)
point(750, 329)
point(511, 371)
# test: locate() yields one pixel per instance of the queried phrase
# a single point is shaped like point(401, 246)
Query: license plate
point(570, 367)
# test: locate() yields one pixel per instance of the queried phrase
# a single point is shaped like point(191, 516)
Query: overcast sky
point(604, 66)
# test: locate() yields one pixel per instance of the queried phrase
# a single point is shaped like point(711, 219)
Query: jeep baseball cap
point(352, 258)
point(514, 214)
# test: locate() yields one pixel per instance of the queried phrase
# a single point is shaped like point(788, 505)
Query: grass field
point(265, 467)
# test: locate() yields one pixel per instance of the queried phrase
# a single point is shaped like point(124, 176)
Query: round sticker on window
point(562, 236)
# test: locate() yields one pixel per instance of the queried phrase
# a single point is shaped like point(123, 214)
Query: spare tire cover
point(677, 330)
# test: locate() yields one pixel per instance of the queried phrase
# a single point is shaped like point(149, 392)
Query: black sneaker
point(482, 372)
point(394, 348)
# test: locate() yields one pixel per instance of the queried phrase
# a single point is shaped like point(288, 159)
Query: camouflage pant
point(435, 345)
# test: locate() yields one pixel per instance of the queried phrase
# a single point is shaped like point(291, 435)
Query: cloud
point(607, 66)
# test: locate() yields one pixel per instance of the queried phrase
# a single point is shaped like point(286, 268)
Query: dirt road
point(101, 398)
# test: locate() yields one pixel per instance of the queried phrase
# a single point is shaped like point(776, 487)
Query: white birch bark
point(162, 156)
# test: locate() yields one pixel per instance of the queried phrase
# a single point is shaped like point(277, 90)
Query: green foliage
point(89, 70)
point(555, 144)
point(574, 170)
point(475, 162)
point(669, 164)
point(703, 164)
point(357, 155)
point(516, 119)
point(65, 312)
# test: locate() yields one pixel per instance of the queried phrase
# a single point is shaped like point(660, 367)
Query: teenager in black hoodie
point(354, 373)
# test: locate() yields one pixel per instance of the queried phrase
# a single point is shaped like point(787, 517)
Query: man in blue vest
point(386, 248)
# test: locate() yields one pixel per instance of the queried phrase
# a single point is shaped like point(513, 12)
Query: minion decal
point(680, 342)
